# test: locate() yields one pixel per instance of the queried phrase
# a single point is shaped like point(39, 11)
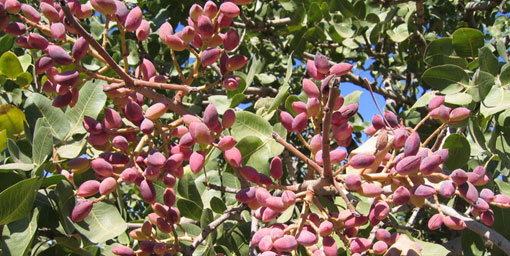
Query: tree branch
point(128, 80)
point(82, 32)
point(213, 226)
point(326, 126)
point(482, 230)
point(471, 7)
point(297, 153)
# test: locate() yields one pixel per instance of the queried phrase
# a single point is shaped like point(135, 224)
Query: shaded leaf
point(447, 78)
point(90, 103)
point(189, 209)
point(466, 41)
point(18, 236)
point(43, 143)
point(53, 117)
point(249, 124)
point(495, 101)
point(488, 62)
point(459, 151)
point(17, 200)
point(103, 223)
point(16, 153)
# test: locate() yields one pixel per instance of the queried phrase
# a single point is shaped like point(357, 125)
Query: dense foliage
point(220, 128)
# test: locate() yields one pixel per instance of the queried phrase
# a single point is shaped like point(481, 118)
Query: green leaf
point(12, 120)
point(266, 79)
point(103, 223)
point(97, 29)
point(488, 62)
point(424, 100)
point(24, 79)
point(344, 30)
point(187, 188)
point(189, 209)
point(72, 149)
point(237, 99)
point(217, 205)
point(344, 6)
point(504, 118)
point(441, 46)
point(10, 65)
point(3, 140)
point(255, 153)
point(399, 34)
point(501, 48)
point(65, 198)
point(466, 41)
point(483, 82)
point(288, 104)
point(17, 200)
point(459, 151)
point(16, 166)
point(286, 215)
point(53, 117)
point(314, 14)
point(447, 78)
point(249, 124)
point(222, 179)
point(25, 61)
point(360, 9)
point(501, 225)
point(283, 91)
point(43, 143)
point(472, 243)
point(90, 103)
point(432, 249)
point(206, 218)
point(496, 101)
point(504, 77)
point(504, 187)
point(221, 102)
point(459, 98)
point(6, 43)
point(439, 59)
point(18, 236)
point(353, 97)
point(16, 153)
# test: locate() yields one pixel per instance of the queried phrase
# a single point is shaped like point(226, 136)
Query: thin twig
point(213, 226)
point(410, 222)
point(427, 141)
point(296, 152)
point(161, 98)
point(290, 168)
point(82, 32)
point(482, 230)
point(439, 140)
point(254, 228)
point(340, 190)
point(220, 188)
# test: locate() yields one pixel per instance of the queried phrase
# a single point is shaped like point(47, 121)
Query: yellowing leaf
point(11, 120)
point(10, 65)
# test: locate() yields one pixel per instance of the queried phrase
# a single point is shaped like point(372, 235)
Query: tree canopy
point(254, 127)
